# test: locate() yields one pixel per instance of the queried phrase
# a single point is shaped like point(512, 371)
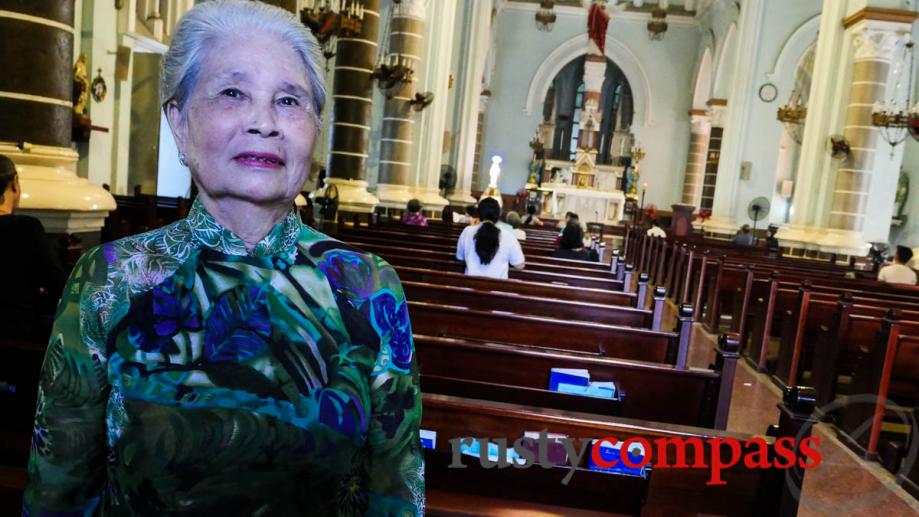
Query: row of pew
point(486, 347)
point(803, 321)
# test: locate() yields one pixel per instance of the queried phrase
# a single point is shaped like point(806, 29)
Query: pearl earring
point(182, 159)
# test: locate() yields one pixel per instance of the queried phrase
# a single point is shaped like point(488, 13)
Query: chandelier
point(545, 16)
point(792, 115)
point(392, 70)
point(330, 19)
point(658, 24)
point(892, 117)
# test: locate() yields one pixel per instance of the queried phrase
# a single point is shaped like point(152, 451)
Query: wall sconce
point(545, 16)
point(658, 24)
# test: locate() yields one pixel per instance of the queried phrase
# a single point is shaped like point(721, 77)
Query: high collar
point(210, 233)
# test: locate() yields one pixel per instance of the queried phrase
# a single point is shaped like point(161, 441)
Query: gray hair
point(209, 21)
point(513, 219)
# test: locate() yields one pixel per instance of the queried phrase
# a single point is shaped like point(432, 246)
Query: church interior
point(791, 123)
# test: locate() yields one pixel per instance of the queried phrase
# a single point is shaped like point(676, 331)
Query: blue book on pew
point(570, 376)
point(610, 452)
point(428, 438)
point(577, 382)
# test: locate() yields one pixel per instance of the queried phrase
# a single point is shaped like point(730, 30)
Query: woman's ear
point(177, 123)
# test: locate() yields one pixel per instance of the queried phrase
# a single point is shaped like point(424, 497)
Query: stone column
point(589, 124)
point(429, 155)
point(837, 205)
point(36, 108)
point(875, 44)
point(406, 44)
point(472, 64)
point(716, 113)
point(737, 129)
point(701, 128)
point(352, 95)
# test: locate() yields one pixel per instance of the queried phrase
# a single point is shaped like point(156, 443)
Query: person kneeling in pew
point(487, 249)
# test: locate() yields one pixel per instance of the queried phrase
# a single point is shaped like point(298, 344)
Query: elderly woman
point(235, 362)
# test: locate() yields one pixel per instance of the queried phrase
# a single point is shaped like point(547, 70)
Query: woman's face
point(248, 126)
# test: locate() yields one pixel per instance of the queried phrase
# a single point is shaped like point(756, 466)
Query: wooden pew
point(887, 370)
point(670, 491)
point(657, 392)
point(570, 309)
point(595, 338)
point(523, 287)
point(401, 257)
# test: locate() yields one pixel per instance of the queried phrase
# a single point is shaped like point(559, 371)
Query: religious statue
point(537, 166)
point(597, 21)
point(630, 182)
point(80, 86)
point(494, 171)
point(902, 195)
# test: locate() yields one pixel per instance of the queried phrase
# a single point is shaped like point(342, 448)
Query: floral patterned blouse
point(188, 376)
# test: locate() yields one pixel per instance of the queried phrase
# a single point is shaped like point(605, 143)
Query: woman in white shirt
point(487, 249)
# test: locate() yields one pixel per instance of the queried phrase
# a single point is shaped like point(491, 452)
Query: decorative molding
point(629, 16)
point(795, 47)
point(697, 112)
point(36, 19)
point(717, 102)
point(576, 47)
point(882, 15)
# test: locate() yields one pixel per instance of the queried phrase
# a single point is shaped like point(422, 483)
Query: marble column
point(875, 45)
point(472, 65)
point(839, 206)
point(352, 95)
point(737, 130)
point(700, 130)
point(36, 108)
point(429, 155)
point(716, 114)
point(406, 44)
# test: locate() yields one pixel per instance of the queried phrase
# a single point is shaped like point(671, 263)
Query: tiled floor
point(843, 484)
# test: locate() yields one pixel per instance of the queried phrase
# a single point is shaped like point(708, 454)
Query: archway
point(703, 86)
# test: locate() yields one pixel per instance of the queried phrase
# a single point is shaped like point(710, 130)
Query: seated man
point(655, 230)
point(513, 220)
point(898, 272)
point(744, 237)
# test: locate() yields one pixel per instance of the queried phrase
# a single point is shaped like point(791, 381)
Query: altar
point(589, 190)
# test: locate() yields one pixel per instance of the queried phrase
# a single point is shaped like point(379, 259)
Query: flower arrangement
point(703, 214)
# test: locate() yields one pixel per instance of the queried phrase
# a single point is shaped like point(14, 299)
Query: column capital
point(717, 114)
point(413, 9)
point(877, 41)
point(700, 120)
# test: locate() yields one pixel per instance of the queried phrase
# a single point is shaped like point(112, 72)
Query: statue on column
point(597, 21)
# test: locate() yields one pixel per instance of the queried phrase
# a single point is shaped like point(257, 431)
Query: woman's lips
point(259, 160)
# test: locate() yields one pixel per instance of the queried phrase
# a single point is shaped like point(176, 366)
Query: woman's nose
point(263, 122)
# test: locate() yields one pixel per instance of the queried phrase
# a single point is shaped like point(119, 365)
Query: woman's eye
point(232, 92)
point(288, 101)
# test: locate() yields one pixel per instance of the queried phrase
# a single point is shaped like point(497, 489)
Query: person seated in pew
point(744, 237)
point(234, 362)
point(487, 249)
point(531, 219)
point(571, 245)
point(29, 263)
point(772, 243)
point(899, 272)
point(414, 217)
point(513, 220)
point(655, 230)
